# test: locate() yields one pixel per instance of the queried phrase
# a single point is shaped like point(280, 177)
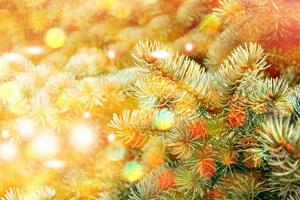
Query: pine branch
point(149, 187)
point(156, 92)
point(42, 193)
point(241, 186)
point(243, 61)
point(280, 138)
point(295, 196)
point(189, 183)
point(278, 131)
point(297, 91)
point(228, 10)
point(269, 95)
point(182, 143)
point(186, 74)
point(296, 100)
point(124, 77)
point(190, 12)
point(14, 194)
point(118, 191)
point(221, 47)
point(138, 125)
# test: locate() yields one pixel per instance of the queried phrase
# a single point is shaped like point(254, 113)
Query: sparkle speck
point(83, 137)
point(189, 47)
point(34, 50)
point(5, 134)
point(45, 144)
point(111, 54)
point(54, 164)
point(160, 54)
point(8, 151)
point(86, 115)
point(25, 127)
point(111, 137)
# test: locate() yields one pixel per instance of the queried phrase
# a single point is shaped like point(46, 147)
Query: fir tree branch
point(221, 47)
point(228, 10)
point(280, 138)
point(42, 193)
point(269, 95)
point(148, 188)
point(14, 194)
point(241, 186)
point(243, 61)
point(189, 183)
point(138, 125)
point(156, 92)
point(182, 143)
point(186, 74)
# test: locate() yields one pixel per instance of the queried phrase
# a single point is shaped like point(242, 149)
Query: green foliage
point(189, 183)
point(250, 145)
point(42, 193)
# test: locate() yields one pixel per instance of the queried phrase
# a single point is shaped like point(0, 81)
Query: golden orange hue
point(237, 117)
point(166, 179)
point(216, 194)
point(207, 168)
point(198, 129)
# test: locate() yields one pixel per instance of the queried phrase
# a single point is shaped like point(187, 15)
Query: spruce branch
point(269, 95)
point(14, 194)
point(294, 196)
point(182, 143)
point(189, 183)
point(241, 186)
point(228, 10)
point(278, 131)
point(295, 99)
point(280, 138)
point(185, 73)
point(243, 61)
point(221, 47)
point(156, 92)
point(191, 11)
point(149, 187)
point(42, 193)
point(138, 125)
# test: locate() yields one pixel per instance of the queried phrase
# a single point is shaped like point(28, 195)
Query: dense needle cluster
point(232, 133)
